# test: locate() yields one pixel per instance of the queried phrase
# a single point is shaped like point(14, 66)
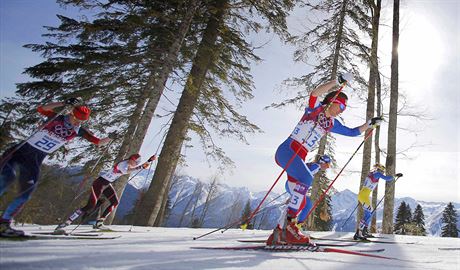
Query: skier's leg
point(111, 195)
point(96, 190)
point(7, 176)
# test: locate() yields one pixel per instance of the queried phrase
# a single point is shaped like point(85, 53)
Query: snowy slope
point(171, 248)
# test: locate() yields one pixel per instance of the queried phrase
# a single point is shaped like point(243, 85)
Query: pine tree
point(222, 59)
point(449, 220)
point(419, 219)
point(401, 218)
point(246, 213)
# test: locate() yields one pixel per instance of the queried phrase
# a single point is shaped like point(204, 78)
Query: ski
point(318, 244)
point(71, 233)
point(362, 241)
point(311, 248)
point(32, 236)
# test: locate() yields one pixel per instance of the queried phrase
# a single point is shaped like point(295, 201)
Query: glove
point(152, 158)
point(376, 121)
point(344, 77)
point(145, 165)
point(398, 175)
point(72, 101)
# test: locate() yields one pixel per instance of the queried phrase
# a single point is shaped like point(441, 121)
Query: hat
point(81, 112)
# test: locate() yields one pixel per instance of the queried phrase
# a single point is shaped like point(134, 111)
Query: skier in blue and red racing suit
point(26, 160)
point(317, 120)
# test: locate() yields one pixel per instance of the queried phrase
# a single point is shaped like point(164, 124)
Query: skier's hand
point(374, 122)
point(104, 141)
point(398, 175)
point(145, 165)
point(344, 78)
point(72, 101)
point(152, 158)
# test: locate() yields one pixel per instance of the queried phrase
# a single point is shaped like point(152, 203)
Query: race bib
point(297, 197)
point(306, 135)
point(46, 142)
point(368, 183)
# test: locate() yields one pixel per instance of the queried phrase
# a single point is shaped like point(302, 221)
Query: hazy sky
point(429, 78)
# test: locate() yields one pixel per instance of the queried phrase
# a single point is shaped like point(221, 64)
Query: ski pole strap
point(337, 176)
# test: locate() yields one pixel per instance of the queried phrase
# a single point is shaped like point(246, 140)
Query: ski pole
point(260, 211)
point(295, 154)
point(343, 224)
point(337, 176)
point(228, 226)
point(9, 153)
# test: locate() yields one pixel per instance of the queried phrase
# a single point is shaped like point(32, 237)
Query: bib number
point(45, 144)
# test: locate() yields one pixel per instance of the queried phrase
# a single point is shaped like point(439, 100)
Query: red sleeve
point(46, 112)
point(88, 136)
point(312, 102)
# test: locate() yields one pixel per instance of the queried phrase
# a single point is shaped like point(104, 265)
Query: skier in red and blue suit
point(317, 120)
point(26, 160)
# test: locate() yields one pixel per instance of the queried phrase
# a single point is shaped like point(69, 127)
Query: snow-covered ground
point(170, 248)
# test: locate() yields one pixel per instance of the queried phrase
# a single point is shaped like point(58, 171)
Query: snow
point(170, 248)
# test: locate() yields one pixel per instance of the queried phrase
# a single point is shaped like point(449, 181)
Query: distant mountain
point(227, 206)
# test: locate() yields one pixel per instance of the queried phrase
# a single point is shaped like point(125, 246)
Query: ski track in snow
point(169, 248)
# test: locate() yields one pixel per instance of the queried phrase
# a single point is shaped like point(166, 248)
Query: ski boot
point(275, 238)
point(294, 236)
point(99, 225)
point(366, 233)
point(60, 228)
point(7, 231)
point(359, 235)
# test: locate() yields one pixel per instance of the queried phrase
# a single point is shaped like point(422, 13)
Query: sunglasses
point(341, 105)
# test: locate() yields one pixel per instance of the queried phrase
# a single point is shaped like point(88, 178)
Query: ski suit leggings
point(297, 172)
point(24, 165)
point(363, 198)
point(101, 186)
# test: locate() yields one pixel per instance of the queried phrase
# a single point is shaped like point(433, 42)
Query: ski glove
point(145, 165)
point(72, 101)
point(374, 122)
point(152, 158)
point(344, 78)
point(398, 175)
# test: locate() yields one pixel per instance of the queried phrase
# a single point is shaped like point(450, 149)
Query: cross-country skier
point(369, 185)
point(103, 185)
point(321, 163)
point(317, 120)
point(27, 159)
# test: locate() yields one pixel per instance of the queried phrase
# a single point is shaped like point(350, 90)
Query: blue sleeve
point(382, 176)
point(343, 130)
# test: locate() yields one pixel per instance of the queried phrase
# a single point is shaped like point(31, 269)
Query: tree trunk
point(170, 153)
point(392, 124)
point(370, 107)
point(143, 114)
point(316, 191)
point(377, 150)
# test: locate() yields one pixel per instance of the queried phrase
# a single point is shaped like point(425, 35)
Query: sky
point(429, 65)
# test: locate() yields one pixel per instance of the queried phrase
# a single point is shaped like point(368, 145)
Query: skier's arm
point(344, 130)
point(323, 88)
point(384, 177)
point(47, 110)
point(91, 138)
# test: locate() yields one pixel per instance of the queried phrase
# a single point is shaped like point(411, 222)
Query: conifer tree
point(449, 220)
point(419, 219)
point(403, 216)
point(221, 59)
point(246, 213)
